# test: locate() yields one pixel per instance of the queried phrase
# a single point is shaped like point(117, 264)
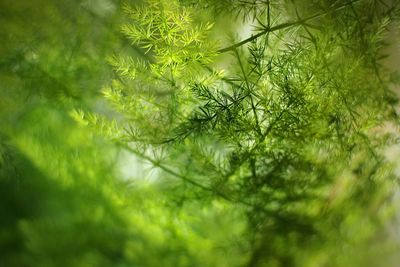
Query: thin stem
point(269, 13)
point(249, 93)
point(269, 29)
point(180, 176)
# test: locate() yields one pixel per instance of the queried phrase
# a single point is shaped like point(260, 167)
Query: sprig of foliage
point(287, 132)
point(168, 31)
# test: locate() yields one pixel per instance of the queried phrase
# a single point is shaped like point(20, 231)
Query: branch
point(269, 29)
point(258, 129)
point(277, 215)
point(175, 174)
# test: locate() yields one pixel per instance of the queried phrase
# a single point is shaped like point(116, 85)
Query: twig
point(269, 29)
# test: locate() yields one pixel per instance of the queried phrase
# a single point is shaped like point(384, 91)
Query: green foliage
point(227, 133)
point(167, 30)
point(288, 130)
point(72, 211)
